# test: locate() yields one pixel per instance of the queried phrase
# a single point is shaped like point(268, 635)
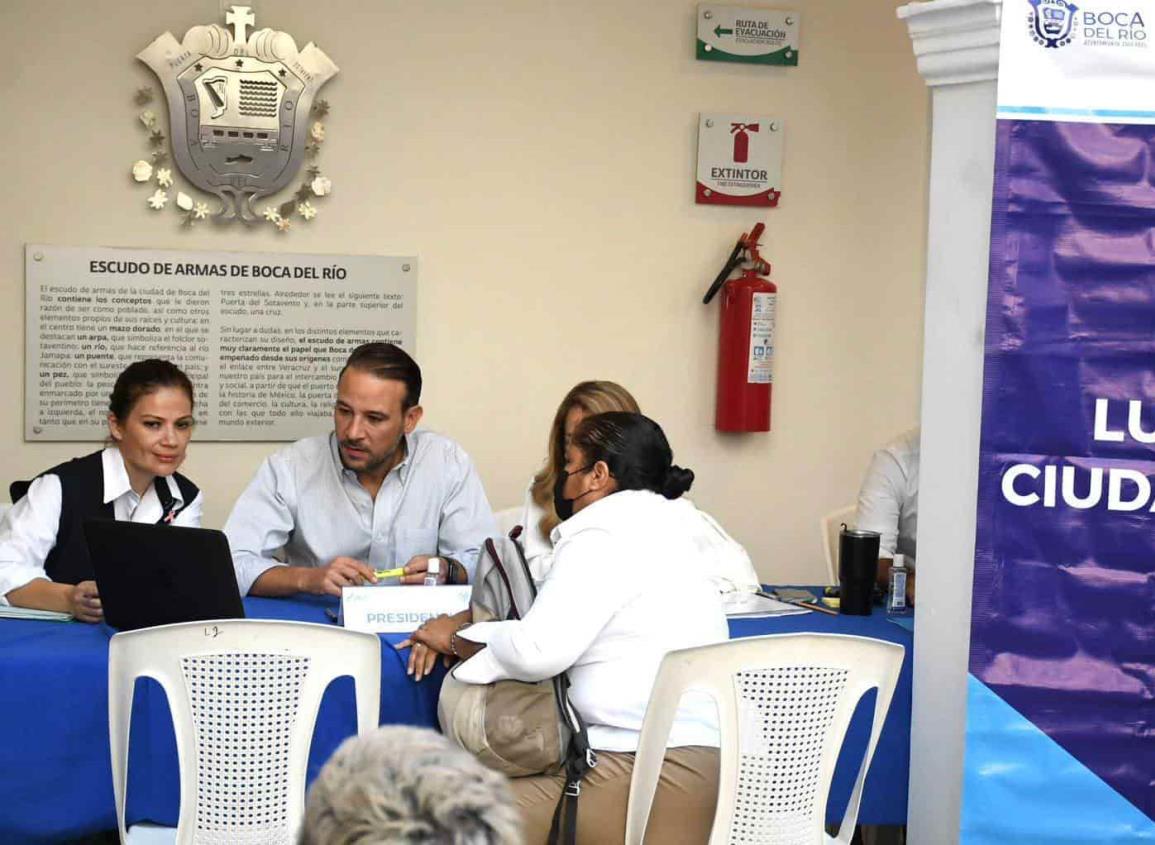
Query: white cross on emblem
point(240, 18)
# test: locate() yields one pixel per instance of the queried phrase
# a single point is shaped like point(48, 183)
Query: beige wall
point(538, 157)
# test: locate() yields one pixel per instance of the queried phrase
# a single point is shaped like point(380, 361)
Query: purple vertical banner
point(1061, 706)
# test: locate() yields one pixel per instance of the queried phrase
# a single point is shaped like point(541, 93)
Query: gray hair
point(401, 784)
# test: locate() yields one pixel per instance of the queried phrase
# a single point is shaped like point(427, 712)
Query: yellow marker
point(389, 573)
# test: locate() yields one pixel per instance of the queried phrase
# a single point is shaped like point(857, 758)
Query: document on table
point(9, 612)
point(753, 605)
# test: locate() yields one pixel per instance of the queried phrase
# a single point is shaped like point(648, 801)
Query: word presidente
point(396, 617)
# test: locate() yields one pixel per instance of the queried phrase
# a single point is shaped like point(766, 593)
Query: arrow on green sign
point(718, 31)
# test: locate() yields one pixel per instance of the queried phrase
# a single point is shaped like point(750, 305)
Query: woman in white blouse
point(44, 560)
point(545, 507)
point(627, 585)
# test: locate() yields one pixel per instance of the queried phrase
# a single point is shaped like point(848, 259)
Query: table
point(56, 780)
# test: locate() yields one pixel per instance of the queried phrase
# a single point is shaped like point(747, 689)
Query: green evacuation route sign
point(750, 36)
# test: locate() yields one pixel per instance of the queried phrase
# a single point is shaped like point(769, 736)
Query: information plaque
point(261, 335)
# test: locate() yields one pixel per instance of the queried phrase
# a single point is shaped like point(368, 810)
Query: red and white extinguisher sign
point(739, 160)
point(746, 339)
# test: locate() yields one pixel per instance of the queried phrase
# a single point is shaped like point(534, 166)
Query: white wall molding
point(954, 41)
point(956, 44)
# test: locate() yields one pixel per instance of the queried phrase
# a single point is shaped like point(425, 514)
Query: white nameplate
point(399, 610)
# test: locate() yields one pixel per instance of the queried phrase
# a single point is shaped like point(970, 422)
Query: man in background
point(888, 504)
point(374, 493)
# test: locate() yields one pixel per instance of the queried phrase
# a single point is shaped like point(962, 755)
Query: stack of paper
point(7, 612)
point(752, 605)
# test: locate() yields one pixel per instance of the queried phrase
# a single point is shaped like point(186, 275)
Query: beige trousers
point(683, 810)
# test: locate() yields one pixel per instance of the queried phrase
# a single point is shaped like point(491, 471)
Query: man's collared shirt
point(303, 508)
point(28, 531)
point(888, 500)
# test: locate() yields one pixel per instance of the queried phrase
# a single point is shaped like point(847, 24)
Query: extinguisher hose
point(727, 269)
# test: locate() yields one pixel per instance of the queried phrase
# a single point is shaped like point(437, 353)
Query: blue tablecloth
point(56, 780)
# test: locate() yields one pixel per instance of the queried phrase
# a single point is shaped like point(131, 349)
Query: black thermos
point(857, 570)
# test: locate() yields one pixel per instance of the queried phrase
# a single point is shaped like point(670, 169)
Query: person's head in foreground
point(613, 452)
point(402, 784)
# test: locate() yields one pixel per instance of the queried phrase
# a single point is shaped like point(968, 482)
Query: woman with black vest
point(44, 560)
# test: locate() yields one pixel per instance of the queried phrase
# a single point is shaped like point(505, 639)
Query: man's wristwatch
point(455, 573)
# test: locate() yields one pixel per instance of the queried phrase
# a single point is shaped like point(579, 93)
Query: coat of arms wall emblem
point(240, 105)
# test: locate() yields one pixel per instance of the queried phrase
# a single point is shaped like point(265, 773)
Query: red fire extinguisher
point(746, 339)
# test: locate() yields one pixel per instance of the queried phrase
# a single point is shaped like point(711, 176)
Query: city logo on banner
point(1057, 23)
point(240, 106)
point(739, 160)
point(1052, 22)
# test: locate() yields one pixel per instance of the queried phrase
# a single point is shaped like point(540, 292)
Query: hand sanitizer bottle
point(896, 596)
point(435, 569)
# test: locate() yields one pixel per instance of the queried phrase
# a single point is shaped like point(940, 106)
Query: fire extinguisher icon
point(745, 338)
point(742, 140)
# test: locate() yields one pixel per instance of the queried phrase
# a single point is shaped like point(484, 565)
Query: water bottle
point(896, 595)
point(434, 569)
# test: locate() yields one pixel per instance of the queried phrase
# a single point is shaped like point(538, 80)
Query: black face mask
point(561, 504)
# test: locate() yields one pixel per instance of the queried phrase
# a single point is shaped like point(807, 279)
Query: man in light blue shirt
point(374, 493)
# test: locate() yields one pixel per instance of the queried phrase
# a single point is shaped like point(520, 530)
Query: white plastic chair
point(784, 706)
point(831, 526)
point(507, 519)
point(244, 696)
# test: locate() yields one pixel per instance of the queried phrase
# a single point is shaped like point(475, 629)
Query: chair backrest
point(244, 696)
point(831, 526)
point(784, 706)
point(507, 519)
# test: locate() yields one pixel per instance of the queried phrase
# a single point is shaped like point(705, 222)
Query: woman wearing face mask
point(44, 560)
point(627, 585)
point(544, 508)
point(724, 560)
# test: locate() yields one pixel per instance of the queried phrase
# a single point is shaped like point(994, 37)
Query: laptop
point(152, 575)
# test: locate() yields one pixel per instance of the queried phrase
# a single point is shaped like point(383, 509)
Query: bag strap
point(497, 562)
point(580, 758)
point(515, 538)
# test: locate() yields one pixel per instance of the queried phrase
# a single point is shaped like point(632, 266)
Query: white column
point(956, 45)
